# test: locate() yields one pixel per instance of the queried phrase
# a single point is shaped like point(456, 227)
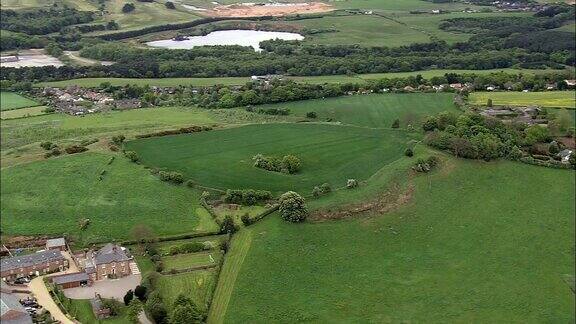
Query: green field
point(553, 99)
point(12, 100)
point(223, 158)
point(189, 260)
point(22, 112)
point(197, 285)
point(475, 244)
point(164, 247)
point(376, 110)
point(172, 82)
point(52, 196)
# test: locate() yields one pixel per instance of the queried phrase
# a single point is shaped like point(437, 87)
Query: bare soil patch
point(273, 9)
point(387, 202)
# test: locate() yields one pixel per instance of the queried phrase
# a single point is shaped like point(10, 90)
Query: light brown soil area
point(387, 202)
point(255, 10)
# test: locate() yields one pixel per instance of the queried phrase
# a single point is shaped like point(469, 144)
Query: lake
point(227, 37)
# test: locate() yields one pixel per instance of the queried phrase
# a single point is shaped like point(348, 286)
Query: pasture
point(12, 100)
point(552, 99)
point(173, 82)
point(51, 197)
point(374, 111)
point(190, 260)
point(511, 258)
point(197, 285)
point(22, 112)
point(223, 158)
point(164, 247)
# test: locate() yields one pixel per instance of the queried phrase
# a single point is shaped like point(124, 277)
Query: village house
point(56, 244)
point(111, 261)
point(32, 264)
point(11, 311)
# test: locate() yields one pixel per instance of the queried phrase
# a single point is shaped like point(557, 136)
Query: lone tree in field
point(292, 207)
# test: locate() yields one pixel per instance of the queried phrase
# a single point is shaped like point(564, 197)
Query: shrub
point(190, 184)
point(132, 156)
point(228, 225)
point(288, 164)
point(140, 292)
point(84, 223)
point(246, 219)
point(292, 207)
point(54, 152)
point(128, 297)
point(325, 187)
point(311, 114)
point(396, 123)
point(128, 7)
point(73, 149)
point(170, 5)
point(409, 152)
point(159, 266)
point(316, 192)
point(247, 197)
point(156, 308)
point(554, 148)
point(47, 145)
point(118, 139)
point(291, 164)
point(426, 165)
point(351, 183)
point(171, 176)
point(87, 142)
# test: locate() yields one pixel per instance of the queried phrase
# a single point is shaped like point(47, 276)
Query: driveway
point(109, 288)
point(39, 290)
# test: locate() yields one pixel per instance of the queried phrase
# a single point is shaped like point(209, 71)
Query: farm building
point(72, 280)
point(56, 244)
point(11, 312)
point(33, 264)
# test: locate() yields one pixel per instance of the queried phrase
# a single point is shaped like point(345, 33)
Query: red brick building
point(111, 261)
point(32, 264)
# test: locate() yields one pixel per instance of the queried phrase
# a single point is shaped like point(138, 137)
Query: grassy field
point(171, 82)
point(554, 99)
point(375, 111)
point(52, 196)
point(223, 158)
point(22, 112)
point(83, 312)
point(12, 100)
point(164, 247)
point(440, 258)
point(189, 260)
point(197, 285)
point(239, 247)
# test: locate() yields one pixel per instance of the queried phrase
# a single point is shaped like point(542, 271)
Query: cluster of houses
point(76, 101)
point(110, 261)
point(529, 115)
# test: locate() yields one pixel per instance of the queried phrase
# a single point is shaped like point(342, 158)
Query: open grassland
point(197, 285)
point(190, 260)
point(376, 110)
point(553, 99)
point(173, 82)
point(223, 158)
point(55, 127)
point(23, 112)
point(52, 196)
point(12, 100)
point(477, 242)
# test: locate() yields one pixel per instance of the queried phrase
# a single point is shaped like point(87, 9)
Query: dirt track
point(251, 10)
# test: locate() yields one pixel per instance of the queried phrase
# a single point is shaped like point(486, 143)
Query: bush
point(128, 7)
point(159, 266)
point(396, 123)
point(292, 207)
point(228, 225)
point(171, 176)
point(132, 156)
point(247, 197)
point(54, 152)
point(140, 292)
point(325, 187)
point(426, 165)
point(128, 297)
point(155, 308)
point(246, 220)
point(311, 114)
point(170, 5)
point(289, 164)
point(118, 139)
point(351, 183)
point(190, 184)
point(316, 192)
point(73, 149)
point(47, 145)
point(84, 223)
point(409, 152)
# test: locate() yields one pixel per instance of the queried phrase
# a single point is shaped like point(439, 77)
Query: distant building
point(32, 264)
point(56, 244)
point(110, 261)
point(11, 312)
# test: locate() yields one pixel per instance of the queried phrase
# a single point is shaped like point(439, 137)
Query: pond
point(227, 37)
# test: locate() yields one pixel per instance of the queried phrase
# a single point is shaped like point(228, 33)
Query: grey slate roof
point(31, 259)
point(72, 277)
point(110, 253)
point(11, 312)
point(55, 242)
